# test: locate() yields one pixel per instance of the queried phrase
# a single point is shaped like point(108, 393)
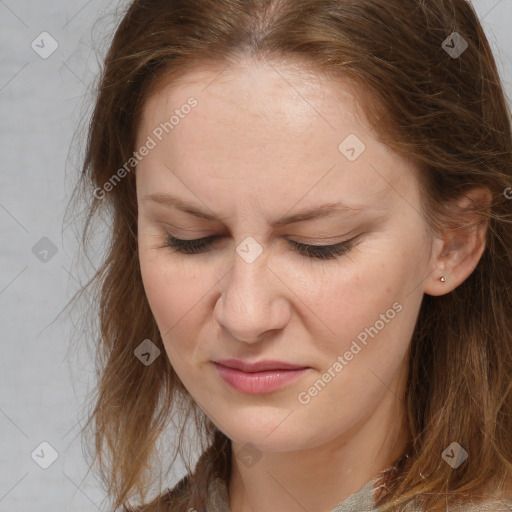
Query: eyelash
point(321, 252)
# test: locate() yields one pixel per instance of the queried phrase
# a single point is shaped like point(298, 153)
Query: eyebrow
point(322, 211)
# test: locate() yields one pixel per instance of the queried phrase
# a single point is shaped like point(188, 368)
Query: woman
point(311, 257)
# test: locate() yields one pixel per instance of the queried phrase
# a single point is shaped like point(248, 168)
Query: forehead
point(275, 130)
point(272, 98)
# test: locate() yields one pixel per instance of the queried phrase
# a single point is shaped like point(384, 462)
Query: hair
point(448, 115)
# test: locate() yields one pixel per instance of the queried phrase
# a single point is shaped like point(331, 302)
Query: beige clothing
point(361, 501)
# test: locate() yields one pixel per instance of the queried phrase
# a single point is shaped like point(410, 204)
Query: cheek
point(177, 293)
point(368, 300)
point(350, 293)
point(165, 290)
point(171, 297)
point(167, 295)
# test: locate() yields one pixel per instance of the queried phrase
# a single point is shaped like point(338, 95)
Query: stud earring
point(443, 279)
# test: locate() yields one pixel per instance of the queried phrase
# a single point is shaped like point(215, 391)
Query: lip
point(267, 364)
point(258, 378)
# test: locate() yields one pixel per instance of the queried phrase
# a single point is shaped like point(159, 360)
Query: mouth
point(258, 378)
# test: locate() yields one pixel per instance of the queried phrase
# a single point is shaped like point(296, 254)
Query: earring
point(443, 279)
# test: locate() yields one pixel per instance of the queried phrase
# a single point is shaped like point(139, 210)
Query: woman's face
point(260, 150)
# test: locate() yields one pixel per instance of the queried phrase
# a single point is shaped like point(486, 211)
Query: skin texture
point(261, 143)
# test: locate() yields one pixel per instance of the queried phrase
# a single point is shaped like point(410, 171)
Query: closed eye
point(322, 252)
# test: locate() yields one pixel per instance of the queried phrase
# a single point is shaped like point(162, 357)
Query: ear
point(457, 251)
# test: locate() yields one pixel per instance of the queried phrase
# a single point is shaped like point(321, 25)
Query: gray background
point(42, 386)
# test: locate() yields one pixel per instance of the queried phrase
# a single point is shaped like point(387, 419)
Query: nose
point(252, 301)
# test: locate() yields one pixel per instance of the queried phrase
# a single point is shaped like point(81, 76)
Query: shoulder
point(216, 496)
point(486, 505)
point(181, 490)
point(205, 489)
point(174, 499)
point(475, 504)
point(491, 500)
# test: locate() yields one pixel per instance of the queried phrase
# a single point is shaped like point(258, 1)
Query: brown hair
point(447, 113)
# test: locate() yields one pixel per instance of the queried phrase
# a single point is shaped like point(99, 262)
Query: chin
point(264, 429)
